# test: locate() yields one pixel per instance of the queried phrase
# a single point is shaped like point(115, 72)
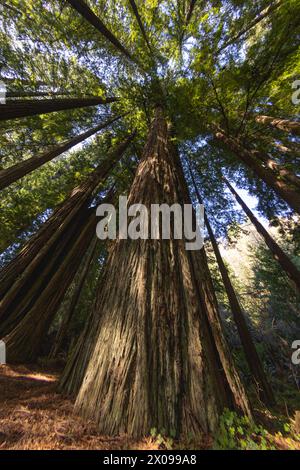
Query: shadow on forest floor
point(34, 416)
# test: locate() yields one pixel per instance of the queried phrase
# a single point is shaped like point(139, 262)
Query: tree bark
point(83, 9)
point(23, 344)
point(23, 273)
point(279, 170)
point(24, 108)
point(140, 23)
point(69, 313)
point(74, 372)
point(283, 124)
point(156, 361)
point(289, 193)
point(14, 173)
point(252, 357)
point(290, 152)
point(278, 254)
point(36, 94)
point(24, 297)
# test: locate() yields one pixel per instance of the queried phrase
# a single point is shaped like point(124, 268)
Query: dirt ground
point(34, 416)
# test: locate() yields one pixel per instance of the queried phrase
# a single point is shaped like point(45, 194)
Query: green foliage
point(281, 297)
point(38, 193)
point(240, 433)
point(48, 47)
point(220, 68)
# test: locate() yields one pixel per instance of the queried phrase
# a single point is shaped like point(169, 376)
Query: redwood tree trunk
point(140, 23)
point(24, 108)
point(23, 273)
point(68, 315)
point(252, 357)
point(84, 10)
point(160, 359)
point(14, 173)
point(74, 372)
point(279, 170)
point(283, 124)
point(288, 192)
point(279, 255)
point(24, 297)
point(24, 342)
point(36, 94)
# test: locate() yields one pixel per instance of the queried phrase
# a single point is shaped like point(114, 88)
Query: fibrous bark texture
point(25, 277)
point(23, 108)
point(24, 342)
point(160, 359)
point(74, 372)
point(70, 310)
point(264, 389)
point(15, 172)
point(283, 124)
point(286, 190)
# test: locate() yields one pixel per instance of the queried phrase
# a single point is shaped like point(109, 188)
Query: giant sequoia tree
point(209, 82)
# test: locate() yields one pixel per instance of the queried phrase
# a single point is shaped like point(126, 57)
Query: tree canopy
point(214, 63)
point(86, 82)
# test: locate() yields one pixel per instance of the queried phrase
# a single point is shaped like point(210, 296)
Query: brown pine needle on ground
point(33, 416)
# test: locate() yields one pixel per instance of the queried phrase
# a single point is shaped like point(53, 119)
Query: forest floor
point(34, 416)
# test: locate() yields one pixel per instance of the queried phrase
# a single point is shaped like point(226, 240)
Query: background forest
point(83, 81)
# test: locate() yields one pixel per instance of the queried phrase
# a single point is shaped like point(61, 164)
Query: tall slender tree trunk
point(24, 108)
point(291, 152)
point(140, 23)
point(69, 313)
point(22, 274)
point(279, 170)
point(283, 124)
point(36, 94)
point(156, 361)
point(14, 173)
point(38, 279)
point(252, 357)
point(288, 192)
point(23, 344)
point(278, 254)
point(74, 372)
point(261, 16)
point(84, 10)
